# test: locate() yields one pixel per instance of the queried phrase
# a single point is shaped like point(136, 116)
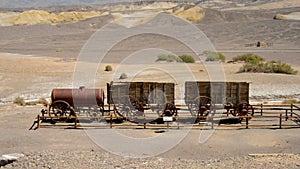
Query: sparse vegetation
point(169, 58)
point(173, 58)
point(290, 101)
point(212, 56)
point(279, 67)
point(108, 68)
point(249, 58)
point(31, 103)
point(187, 58)
point(58, 50)
point(19, 101)
point(268, 67)
point(123, 76)
point(254, 63)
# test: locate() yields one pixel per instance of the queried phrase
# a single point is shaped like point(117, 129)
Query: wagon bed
point(132, 99)
point(200, 97)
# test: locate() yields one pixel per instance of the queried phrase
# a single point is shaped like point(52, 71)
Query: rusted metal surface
point(79, 97)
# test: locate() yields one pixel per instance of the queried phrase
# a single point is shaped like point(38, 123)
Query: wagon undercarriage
point(145, 103)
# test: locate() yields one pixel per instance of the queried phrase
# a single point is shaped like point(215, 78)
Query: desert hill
point(193, 12)
point(55, 31)
point(33, 17)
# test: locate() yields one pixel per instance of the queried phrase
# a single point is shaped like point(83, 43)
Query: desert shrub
point(255, 63)
point(268, 67)
point(123, 76)
point(19, 101)
point(290, 101)
point(279, 67)
point(249, 58)
point(31, 103)
point(249, 67)
point(187, 58)
point(108, 68)
point(58, 50)
point(212, 56)
point(169, 58)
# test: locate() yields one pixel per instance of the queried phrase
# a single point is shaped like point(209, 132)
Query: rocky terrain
point(91, 159)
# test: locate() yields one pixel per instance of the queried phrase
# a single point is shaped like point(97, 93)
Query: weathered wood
point(262, 155)
point(234, 92)
point(280, 121)
point(271, 113)
point(110, 122)
point(38, 121)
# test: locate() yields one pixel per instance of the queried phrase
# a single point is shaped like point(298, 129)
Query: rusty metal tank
point(79, 97)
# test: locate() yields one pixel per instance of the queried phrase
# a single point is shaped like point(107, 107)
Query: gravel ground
point(93, 159)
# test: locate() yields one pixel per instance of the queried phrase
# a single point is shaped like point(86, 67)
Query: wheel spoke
point(200, 106)
point(61, 111)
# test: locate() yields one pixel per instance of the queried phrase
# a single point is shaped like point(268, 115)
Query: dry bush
point(168, 58)
point(19, 101)
point(212, 56)
point(108, 68)
point(123, 76)
point(187, 58)
point(257, 64)
point(249, 58)
point(290, 101)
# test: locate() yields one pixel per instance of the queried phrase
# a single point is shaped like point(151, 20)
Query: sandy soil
point(34, 77)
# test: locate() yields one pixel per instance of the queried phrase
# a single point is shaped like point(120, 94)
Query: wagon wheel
point(244, 109)
point(169, 110)
point(92, 113)
point(129, 107)
point(61, 110)
point(228, 106)
point(200, 106)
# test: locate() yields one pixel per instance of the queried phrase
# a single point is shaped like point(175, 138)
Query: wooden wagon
point(132, 99)
point(202, 97)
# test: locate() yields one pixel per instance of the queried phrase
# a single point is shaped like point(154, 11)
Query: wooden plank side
point(191, 91)
point(159, 90)
point(237, 92)
point(118, 92)
point(218, 92)
point(244, 92)
point(146, 92)
point(203, 89)
point(170, 92)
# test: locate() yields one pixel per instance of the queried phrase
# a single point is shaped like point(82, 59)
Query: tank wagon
point(69, 103)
